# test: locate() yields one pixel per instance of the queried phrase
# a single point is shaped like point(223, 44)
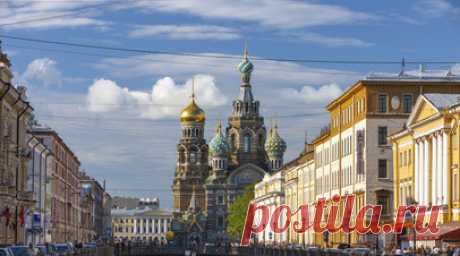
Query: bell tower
point(246, 130)
point(192, 159)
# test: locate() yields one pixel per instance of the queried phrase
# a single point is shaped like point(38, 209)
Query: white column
point(417, 171)
point(165, 225)
point(445, 168)
point(426, 169)
point(151, 225)
point(135, 225)
point(439, 169)
point(159, 226)
point(421, 172)
point(434, 157)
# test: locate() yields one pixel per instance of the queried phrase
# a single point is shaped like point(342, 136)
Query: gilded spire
point(192, 113)
point(193, 88)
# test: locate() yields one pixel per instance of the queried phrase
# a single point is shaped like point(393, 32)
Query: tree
point(170, 235)
point(237, 212)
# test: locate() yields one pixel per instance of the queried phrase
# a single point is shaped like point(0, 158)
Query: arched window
point(181, 155)
point(261, 140)
point(233, 142)
point(247, 143)
point(193, 155)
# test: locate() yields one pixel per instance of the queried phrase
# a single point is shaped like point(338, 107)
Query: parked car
point(360, 251)
point(343, 246)
point(456, 252)
point(5, 251)
point(313, 250)
point(46, 250)
point(332, 251)
point(89, 246)
point(21, 250)
point(63, 249)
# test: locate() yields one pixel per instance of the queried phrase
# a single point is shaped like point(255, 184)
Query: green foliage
point(237, 213)
point(170, 235)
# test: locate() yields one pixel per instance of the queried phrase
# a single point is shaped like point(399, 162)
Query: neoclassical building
point(425, 165)
point(144, 222)
point(210, 176)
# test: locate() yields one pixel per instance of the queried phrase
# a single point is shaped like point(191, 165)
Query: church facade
point(209, 177)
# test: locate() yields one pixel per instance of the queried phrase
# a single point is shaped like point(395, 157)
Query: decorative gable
point(423, 110)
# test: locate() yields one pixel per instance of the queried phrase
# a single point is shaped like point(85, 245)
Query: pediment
point(423, 110)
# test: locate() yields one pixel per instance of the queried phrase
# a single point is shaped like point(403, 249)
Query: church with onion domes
point(209, 177)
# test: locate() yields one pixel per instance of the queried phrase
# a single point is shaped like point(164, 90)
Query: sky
point(118, 111)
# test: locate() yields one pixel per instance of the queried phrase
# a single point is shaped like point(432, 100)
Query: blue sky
point(118, 111)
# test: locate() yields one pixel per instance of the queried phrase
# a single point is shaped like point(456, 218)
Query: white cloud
point(64, 14)
point(105, 95)
point(43, 71)
point(188, 32)
point(166, 98)
point(311, 94)
point(332, 41)
point(436, 8)
point(274, 13)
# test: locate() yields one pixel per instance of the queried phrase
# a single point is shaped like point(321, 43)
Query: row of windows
point(221, 199)
point(346, 146)
point(405, 158)
point(247, 142)
point(142, 220)
point(145, 230)
point(323, 157)
point(331, 154)
point(192, 132)
point(348, 178)
point(405, 194)
point(347, 114)
point(219, 164)
point(383, 103)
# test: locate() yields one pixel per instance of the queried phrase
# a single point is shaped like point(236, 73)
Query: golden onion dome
point(192, 113)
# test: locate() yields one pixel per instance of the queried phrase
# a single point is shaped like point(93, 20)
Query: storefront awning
point(449, 231)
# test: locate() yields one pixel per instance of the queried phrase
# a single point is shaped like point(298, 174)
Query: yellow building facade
point(427, 156)
point(353, 154)
point(298, 191)
point(291, 185)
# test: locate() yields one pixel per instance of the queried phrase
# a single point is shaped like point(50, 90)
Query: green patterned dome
point(275, 145)
point(218, 144)
point(245, 67)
